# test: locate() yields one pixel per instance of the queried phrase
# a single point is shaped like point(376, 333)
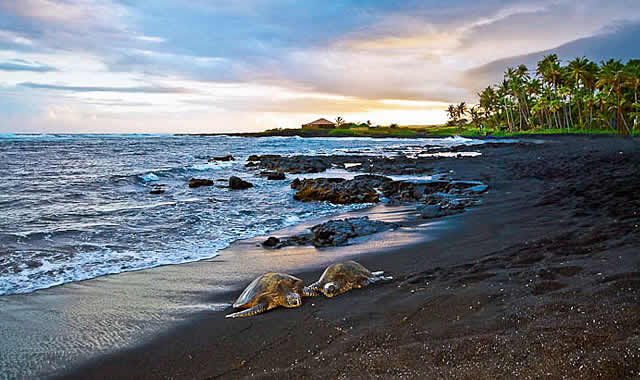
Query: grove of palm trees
point(579, 96)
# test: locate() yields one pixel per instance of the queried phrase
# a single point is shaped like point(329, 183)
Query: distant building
point(320, 123)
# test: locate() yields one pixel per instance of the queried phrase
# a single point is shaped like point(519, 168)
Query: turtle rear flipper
point(257, 309)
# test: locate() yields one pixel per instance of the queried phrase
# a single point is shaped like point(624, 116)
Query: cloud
point(283, 58)
point(330, 105)
point(151, 39)
point(65, 12)
point(135, 89)
point(23, 65)
point(620, 42)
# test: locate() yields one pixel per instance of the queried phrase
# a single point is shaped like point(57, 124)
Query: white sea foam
point(150, 177)
point(214, 165)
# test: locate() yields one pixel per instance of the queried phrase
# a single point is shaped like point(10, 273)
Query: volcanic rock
point(197, 182)
point(222, 158)
point(236, 183)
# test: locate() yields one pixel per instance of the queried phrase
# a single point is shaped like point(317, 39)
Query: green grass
point(342, 132)
point(361, 131)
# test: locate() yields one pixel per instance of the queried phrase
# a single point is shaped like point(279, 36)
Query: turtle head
point(292, 300)
point(330, 289)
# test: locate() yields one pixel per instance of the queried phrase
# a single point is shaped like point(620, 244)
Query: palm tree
point(503, 95)
point(589, 104)
point(632, 77)
point(452, 112)
point(550, 71)
point(339, 121)
point(461, 110)
point(612, 76)
point(578, 71)
point(474, 112)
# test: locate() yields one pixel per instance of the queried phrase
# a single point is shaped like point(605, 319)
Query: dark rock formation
point(400, 164)
point(236, 183)
point(271, 242)
point(295, 164)
point(332, 233)
point(273, 176)
point(222, 158)
point(197, 182)
point(337, 232)
point(436, 208)
point(361, 189)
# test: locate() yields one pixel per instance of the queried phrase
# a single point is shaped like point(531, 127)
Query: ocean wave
point(150, 177)
point(64, 136)
point(44, 274)
point(155, 175)
point(214, 165)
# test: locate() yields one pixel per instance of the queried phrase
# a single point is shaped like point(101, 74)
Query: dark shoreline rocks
point(332, 233)
point(293, 165)
point(236, 183)
point(360, 189)
point(302, 164)
point(222, 158)
point(198, 182)
point(273, 176)
point(338, 232)
point(369, 188)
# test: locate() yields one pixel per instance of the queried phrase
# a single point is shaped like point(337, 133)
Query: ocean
point(75, 207)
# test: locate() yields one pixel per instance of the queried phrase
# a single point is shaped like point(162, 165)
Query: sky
point(197, 66)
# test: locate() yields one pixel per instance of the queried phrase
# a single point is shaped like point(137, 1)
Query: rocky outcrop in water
point(332, 233)
point(273, 176)
point(294, 165)
point(222, 158)
point(198, 182)
point(236, 183)
point(396, 165)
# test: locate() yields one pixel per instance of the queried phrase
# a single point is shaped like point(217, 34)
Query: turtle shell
point(349, 271)
point(274, 284)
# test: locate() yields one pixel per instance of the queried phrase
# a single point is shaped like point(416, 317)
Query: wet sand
point(540, 281)
point(56, 329)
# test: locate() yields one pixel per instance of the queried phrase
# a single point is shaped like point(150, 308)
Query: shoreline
point(517, 276)
point(419, 135)
point(183, 292)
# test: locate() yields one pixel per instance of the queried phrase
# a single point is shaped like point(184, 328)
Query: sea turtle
point(267, 292)
point(341, 277)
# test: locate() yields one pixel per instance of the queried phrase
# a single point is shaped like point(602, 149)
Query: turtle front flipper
point(257, 309)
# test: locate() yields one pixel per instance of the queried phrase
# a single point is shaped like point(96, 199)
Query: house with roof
point(319, 124)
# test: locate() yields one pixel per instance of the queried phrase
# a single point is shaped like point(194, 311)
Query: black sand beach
point(540, 281)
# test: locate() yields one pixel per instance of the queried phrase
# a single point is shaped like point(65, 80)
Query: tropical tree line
point(580, 94)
